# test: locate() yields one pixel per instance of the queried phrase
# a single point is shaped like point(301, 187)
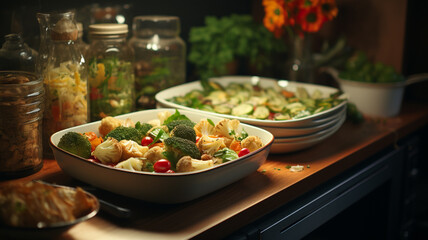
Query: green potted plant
point(230, 40)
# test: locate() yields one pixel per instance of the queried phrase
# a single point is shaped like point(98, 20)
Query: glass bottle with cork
point(65, 78)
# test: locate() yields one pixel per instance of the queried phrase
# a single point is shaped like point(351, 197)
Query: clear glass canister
point(15, 54)
point(111, 78)
point(65, 77)
point(160, 57)
point(21, 107)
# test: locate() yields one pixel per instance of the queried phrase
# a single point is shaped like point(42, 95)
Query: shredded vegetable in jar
point(65, 78)
point(67, 97)
point(111, 94)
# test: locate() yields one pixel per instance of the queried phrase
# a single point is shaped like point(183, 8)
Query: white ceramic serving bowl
point(160, 187)
point(374, 99)
point(308, 121)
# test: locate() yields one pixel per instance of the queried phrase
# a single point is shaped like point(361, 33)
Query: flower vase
point(299, 65)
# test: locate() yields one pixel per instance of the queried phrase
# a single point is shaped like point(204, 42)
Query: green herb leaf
point(211, 122)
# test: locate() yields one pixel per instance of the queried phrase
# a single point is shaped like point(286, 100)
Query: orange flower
point(307, 3)
point(274, 18)
point(311, 19)
point(300, 15)
point(329, 8)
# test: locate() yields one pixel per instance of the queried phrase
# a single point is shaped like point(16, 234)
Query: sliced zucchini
point(309, 102)
point(234, 101)
point(223, 109)
point(215, 86)
point(280, 116)
point(302, 114)
point(275, 108)
point(295, 105)
point(255, 100)
point(217, 97)
point(208, 108)
point(194, 94)
point(242, 110)
point(317, 94)
point(261, 112)
point(302, 93)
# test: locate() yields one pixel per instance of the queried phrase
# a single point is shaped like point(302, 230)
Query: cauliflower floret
point(109, 151)
point(155, 153)
point(204, 127)
point(110, 123)
point(252, 143)
point(133, 164)
point(227, 141)
point(163, 116)
point(128, 123)
point(210, 145)
point(227, 128)
point(132, 149)
point(188, 164)
point(154, 122)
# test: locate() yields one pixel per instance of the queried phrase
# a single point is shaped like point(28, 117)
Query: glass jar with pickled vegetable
point(111, 78)
point(65, 78)
point(160, 57)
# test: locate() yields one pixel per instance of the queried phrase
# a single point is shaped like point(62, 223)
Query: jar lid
point(108, 29)
point(162, 25)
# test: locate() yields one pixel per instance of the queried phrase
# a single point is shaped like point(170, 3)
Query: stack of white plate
point(309, 133)
point(290, 135)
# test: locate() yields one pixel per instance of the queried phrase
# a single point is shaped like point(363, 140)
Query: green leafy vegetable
point(360, 68)
point(226, 154)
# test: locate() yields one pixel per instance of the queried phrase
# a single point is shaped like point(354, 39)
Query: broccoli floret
point(176, 147)
point(125, 133)
point(76, 143)
point(143, 127)
point(171, 125)
point(184, 131)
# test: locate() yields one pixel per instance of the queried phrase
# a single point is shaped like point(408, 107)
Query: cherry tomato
point(243, 152)
point(170, 171)
point(146, 141)
point(162, 165)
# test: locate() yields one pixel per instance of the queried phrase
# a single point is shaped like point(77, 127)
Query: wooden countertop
point(221, 213)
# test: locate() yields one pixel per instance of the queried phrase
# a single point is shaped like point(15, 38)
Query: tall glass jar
point(160, 57)
point(111, 78)
point(65, 78)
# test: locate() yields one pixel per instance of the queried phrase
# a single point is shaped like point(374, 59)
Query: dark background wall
point(19, 16)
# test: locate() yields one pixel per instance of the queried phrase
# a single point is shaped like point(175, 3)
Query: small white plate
point(285, 147)
point(49, 231)
point(280, 132)
point(160, 187)
point(316, 135)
